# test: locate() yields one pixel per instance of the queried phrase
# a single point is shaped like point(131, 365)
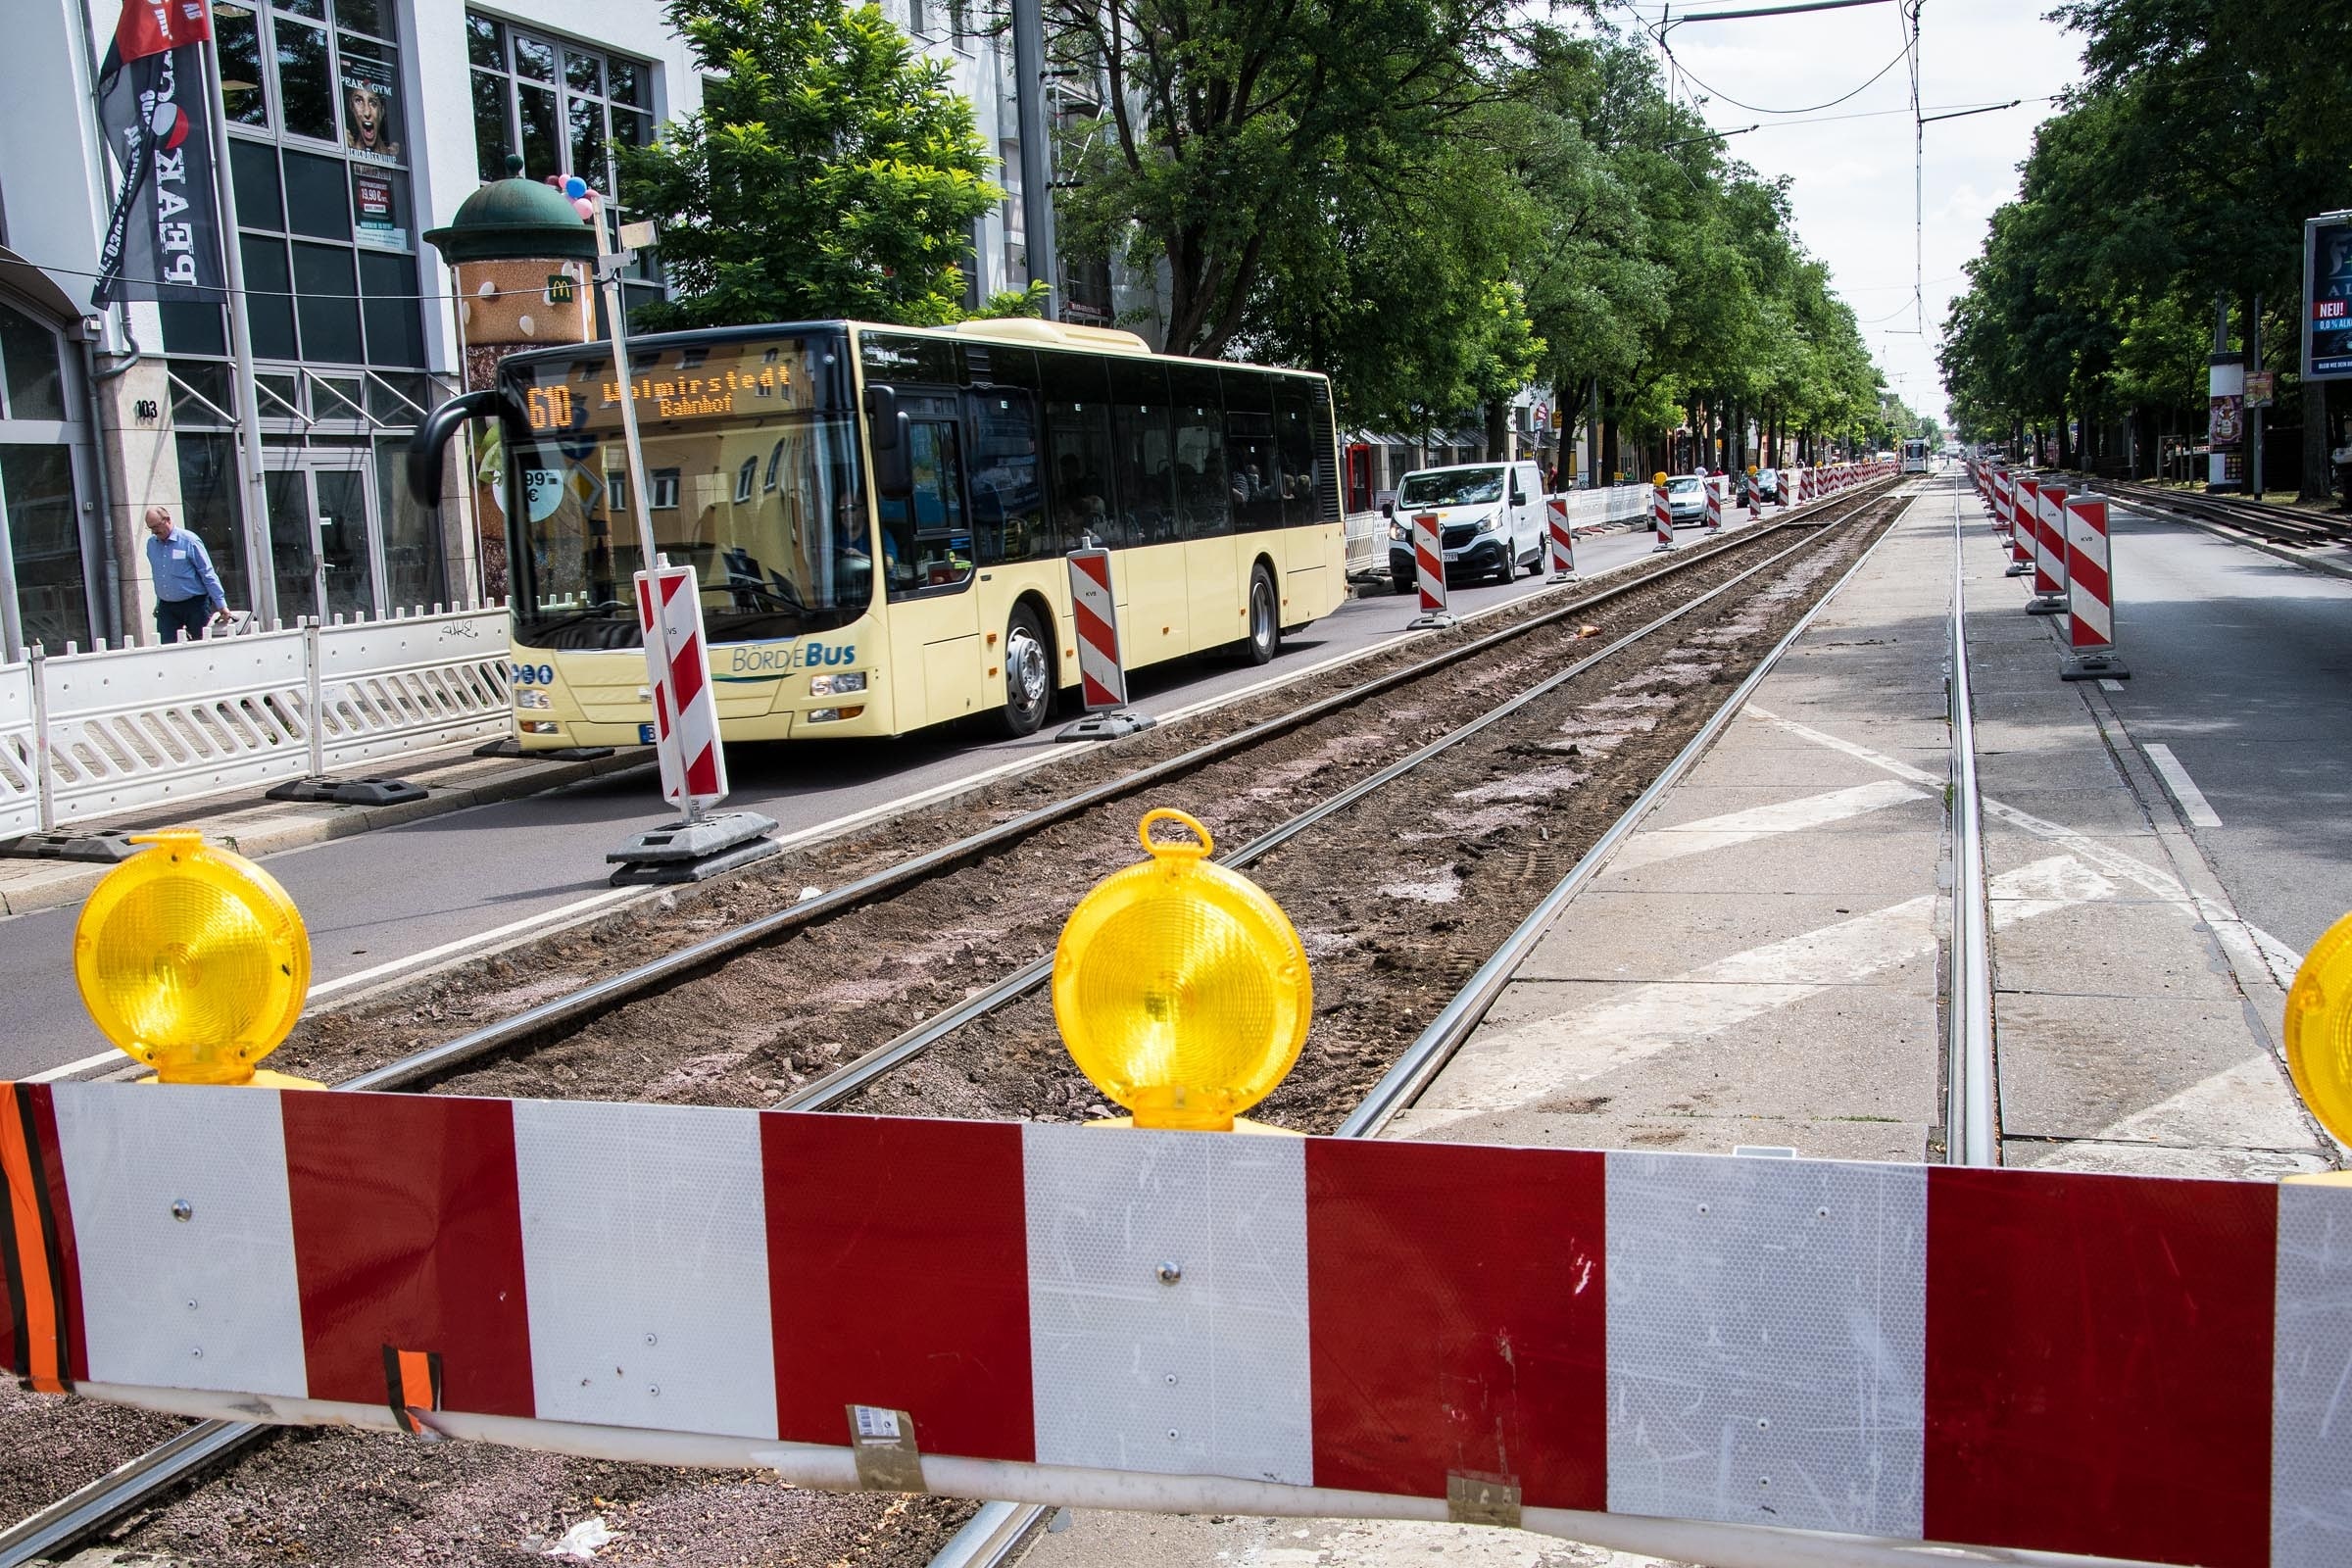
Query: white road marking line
point(2248, 1105)
point(74, 1068)
point(2249, 943)
point(2193, 804)
point(1653, 845)
point(544, 920)
point(1516, 1065)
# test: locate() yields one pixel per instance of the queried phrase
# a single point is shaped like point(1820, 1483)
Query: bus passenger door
point(926, 542)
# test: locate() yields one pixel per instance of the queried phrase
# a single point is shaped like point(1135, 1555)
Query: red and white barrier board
point(1661, 517)
point(1429, 563)
point(2023, 524)
point(1102, 672)
point(669, 615)
point(2091, 589)
point(1715, 486)
point(2127, 1367)
point(2049, 550)
point(1560, 539)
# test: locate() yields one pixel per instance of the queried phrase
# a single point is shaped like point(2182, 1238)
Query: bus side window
point(1292, 434)
point(1204, 490)
point(1008, 498)
point(1252, 465)
point(1078, 468)
point(1145, 470)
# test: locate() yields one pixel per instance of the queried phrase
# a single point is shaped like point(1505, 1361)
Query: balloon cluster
point(583, 199)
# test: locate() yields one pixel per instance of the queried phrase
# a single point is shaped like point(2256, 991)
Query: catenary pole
point(1037, 163)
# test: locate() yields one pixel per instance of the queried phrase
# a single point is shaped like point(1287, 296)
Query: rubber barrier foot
point(348, 791)
point(2094, 667)
point(2047, 605)
point(108, 848)
point(1438, 622)
point(1107, 726)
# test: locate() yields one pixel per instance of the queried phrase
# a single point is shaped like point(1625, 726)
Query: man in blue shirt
point(187, 588)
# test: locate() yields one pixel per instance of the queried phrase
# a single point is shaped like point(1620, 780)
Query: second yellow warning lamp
point(1181, 988)
point(192, 960)
point(2319, 1033)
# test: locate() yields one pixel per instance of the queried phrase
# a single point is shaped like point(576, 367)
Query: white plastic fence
point(85, 735)
point(1368, 531)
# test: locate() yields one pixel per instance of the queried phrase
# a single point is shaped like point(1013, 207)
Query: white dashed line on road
point(2193, 804)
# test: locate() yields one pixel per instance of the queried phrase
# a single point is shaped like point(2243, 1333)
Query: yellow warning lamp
point(192, 960)
point(2318, 1029)
point(1181, 989)
point(1658, 477)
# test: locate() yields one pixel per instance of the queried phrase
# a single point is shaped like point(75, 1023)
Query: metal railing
point(86, 735)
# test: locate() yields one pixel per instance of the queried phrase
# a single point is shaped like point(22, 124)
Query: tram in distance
point(878, 518)
point(1915, 454)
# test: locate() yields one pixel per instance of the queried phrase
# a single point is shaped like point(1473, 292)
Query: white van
point(1489, 519)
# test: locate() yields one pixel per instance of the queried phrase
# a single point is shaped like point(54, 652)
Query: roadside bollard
point(1661, 515)
point(1429, 572)
point(2090, 594)
point(2050, 552)
point(1562, 540)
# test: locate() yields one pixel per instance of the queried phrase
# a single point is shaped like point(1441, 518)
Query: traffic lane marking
point(2191, 799)
point(2246, 942)
point(1654, 845)
point(1514, 1067)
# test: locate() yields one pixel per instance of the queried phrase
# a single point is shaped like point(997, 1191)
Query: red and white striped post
point(685, 735)
point(1102, 667)
point(694, 766)
point(2050, 552)
point(1661, 515)
point(2090, 593)
point(1429, 572)
point(2020, 508)
point(1562, 539)
point(1715, 483)
point(1755, 496)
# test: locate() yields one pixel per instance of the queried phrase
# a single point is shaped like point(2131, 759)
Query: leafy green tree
point(830, 173)
point(1227, 129)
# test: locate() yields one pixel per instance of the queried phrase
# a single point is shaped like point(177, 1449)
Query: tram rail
point(207, 1445)
point(2289, 526)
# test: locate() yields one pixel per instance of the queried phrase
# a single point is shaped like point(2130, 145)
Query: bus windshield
point(751, 477)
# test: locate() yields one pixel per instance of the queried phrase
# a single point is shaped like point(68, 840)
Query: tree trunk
point(1607, 471)
point(1499, 430)
point(2317, 477)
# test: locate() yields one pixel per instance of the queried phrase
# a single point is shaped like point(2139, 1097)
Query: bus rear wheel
point(1028, 676)
point(1265, 618)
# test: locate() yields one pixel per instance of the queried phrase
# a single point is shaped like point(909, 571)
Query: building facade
point(353, 126)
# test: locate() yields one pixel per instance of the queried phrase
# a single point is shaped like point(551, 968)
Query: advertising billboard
point(2328, 297)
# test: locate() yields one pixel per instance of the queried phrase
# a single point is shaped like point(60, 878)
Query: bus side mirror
point(432, 436)
point(894, 475)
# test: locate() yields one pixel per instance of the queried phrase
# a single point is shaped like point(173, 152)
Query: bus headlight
point(537, 701)
point(836, 685)
point(832, 715)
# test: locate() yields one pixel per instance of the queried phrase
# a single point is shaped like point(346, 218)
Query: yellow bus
point(878, 518)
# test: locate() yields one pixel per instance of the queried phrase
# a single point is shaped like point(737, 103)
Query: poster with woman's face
point(370, 108)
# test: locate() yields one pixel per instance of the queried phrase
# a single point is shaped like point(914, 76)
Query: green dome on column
point(514, 220)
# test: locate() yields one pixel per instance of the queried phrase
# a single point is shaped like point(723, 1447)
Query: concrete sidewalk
point(452, 776)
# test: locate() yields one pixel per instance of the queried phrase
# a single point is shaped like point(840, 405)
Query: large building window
point(561, 105)
point(318, 162)
point(40, 430)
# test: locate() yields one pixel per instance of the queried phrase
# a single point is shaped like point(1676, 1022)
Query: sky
point(1852, 176)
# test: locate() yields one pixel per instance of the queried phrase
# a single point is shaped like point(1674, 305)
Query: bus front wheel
point(1028, 676)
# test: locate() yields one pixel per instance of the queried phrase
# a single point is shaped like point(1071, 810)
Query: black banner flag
point(164, 239)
